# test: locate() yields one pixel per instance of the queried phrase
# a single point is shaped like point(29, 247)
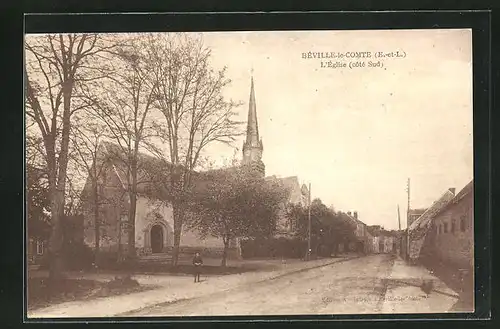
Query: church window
point(445, 226)
point(453, 225)
point(462, 223)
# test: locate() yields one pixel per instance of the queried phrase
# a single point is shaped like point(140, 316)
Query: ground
point(348, 285)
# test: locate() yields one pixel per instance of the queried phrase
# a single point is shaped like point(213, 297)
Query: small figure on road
point(198, 263)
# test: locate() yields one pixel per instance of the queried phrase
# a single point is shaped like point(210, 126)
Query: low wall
point(274, 247)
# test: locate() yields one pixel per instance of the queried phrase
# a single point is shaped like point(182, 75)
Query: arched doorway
point(156, 239)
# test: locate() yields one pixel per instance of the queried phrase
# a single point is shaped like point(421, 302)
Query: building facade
point(153, 217)
point(414, 214)
point(364, 238)
point(451, 240)
point(419, 229)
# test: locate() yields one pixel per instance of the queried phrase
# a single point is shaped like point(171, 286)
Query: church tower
point(252, 147)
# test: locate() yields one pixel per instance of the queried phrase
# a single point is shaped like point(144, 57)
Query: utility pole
point(399, 219)
point(408, 207)
point(408, 221)
point(309, 226)
point(400, 237)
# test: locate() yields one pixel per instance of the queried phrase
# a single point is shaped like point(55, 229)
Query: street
point(354, 286)
point(380, 283)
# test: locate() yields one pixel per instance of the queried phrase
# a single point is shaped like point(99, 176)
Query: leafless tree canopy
point(156, 92)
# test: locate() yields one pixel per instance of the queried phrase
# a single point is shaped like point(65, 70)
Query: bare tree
point(56, 65)
point(189, 95)
point(87, 137)
point(124, 104)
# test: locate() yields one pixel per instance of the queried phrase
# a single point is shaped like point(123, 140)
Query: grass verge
point(42, 293)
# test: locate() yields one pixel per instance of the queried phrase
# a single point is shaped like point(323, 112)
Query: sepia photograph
point(249, 173)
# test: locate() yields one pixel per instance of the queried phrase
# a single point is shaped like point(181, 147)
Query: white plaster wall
point(388, 244)
point(376, 244)
point(144, 217)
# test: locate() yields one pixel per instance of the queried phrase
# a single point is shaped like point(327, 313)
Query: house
point(414, 214)
point(418, 230)
point(364, 237)
point(451, 240)
point(38, 215)
point(383, 242)
point(36, 250)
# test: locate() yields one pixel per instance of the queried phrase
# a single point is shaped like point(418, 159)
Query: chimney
point(452, 190)
point(349, 213)
point(356, 214)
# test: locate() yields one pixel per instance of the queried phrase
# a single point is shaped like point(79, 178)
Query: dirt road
point(355, 286)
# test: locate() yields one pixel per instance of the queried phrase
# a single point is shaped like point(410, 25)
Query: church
point(154, 219)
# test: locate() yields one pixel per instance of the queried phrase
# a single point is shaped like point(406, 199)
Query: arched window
point(445, 227)
point(453, 224)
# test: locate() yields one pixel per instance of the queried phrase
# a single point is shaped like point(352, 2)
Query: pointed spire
point(252, 125)
point(252, 147)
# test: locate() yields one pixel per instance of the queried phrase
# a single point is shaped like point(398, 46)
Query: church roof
point(149, 168)
point(291, 182)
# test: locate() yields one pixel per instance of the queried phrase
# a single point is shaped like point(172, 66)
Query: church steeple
point(252, 124)
point(252, 147)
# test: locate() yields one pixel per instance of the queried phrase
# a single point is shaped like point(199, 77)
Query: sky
point(356, 135)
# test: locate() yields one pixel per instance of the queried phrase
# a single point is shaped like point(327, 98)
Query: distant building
point(414, 214)
point(364, 238)
point(38, 228)
point(383, 242)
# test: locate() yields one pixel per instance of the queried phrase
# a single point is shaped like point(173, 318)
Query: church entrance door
point(156, 239)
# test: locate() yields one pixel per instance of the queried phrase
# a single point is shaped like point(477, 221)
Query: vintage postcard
point(249, 173)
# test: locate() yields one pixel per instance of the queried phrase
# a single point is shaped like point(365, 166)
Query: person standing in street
point(198, 263)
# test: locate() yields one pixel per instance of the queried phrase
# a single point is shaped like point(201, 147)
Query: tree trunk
point(120, 251)
point(131, 253)
point(224, 252)
point(58, 188)
point(56, 236)
point(177, 185)
point(177, 235)
point(97, 224)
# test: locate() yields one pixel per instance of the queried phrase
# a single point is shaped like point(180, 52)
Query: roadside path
point(171, 289)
